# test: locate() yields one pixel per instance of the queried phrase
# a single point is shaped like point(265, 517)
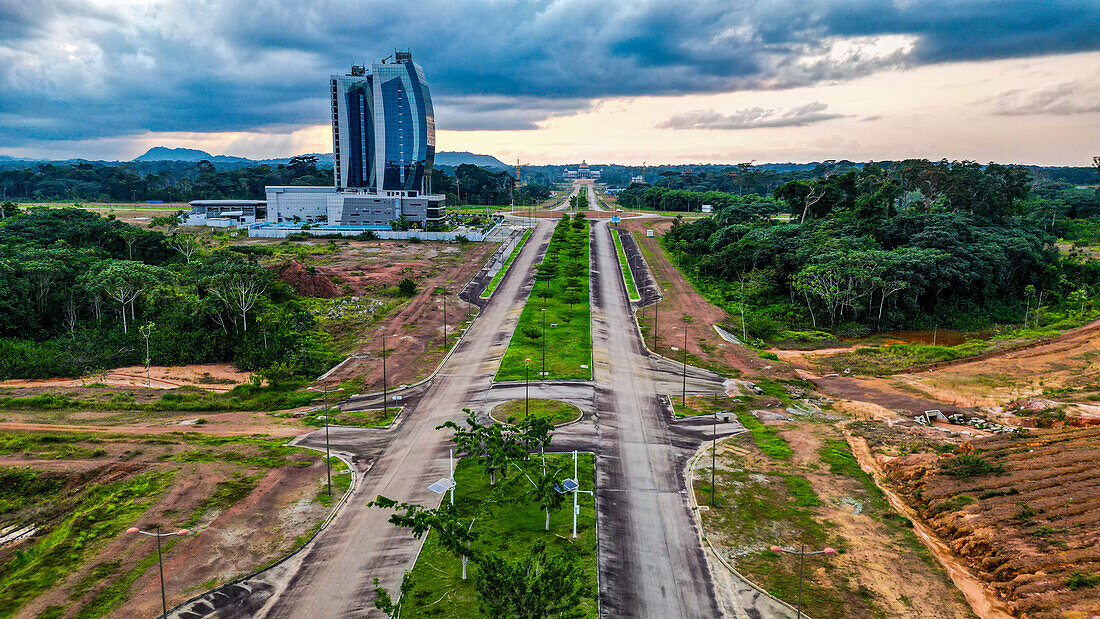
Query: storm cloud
point(74, 70)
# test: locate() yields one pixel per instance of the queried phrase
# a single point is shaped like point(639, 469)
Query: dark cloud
point(80, 70)
point(750, 118)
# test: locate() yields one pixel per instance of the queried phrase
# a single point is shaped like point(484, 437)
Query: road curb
point(346, 459)
point(689, 476)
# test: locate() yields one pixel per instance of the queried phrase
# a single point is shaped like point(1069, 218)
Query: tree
point(186, 244)
point(129, 236)
point(533, 587)
point(383, 601)
point(123, 281)
point(545, 491)
point(240, 289)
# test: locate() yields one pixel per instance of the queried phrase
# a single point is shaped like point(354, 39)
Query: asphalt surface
point(334, 576)
point(651, 561)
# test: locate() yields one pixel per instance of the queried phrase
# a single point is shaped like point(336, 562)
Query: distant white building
point(707, 208)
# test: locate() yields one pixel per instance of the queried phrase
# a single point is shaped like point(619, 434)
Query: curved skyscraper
point(383, 144)
point(383, 127)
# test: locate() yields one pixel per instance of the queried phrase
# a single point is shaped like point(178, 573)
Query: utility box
point(649, 233)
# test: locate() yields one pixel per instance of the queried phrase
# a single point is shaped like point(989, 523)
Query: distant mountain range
point(161, 153)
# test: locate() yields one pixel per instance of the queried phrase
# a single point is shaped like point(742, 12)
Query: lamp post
point(802, 559)
point(684, 394)
point(444, 320)
point(157, 534)
point(526, 387)
point(542, 314)
point(657, 295)
point(384, 374)
point(713, 453)
point(328, 452)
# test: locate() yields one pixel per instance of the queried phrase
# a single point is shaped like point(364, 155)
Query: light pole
point(526, 388)
point(157, 534)
point(801, 559)
point(444, 320)
point(384, 374)
point(684, 393)
point(713, 451)
point(542, 314)
point(655, 301)
point(328, 452)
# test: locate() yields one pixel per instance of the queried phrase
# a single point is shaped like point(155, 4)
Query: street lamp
point(801, 559)
point(384, 411)
point(526, 387)
point(684, 394)
point(328, 453)
point(444, 320)
point(574, 486)
point(157, 534)
point(542, 313)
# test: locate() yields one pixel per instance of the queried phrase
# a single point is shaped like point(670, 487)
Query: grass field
point(488, 292)
point(568, 344)
point(508, 525)
point(553, 411)
point(628, 277)
point(702, 405)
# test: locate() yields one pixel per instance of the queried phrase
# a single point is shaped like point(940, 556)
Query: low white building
point(295, 204)
point(225, 213)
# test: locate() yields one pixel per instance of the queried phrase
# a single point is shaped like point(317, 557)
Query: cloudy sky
point(559, 80)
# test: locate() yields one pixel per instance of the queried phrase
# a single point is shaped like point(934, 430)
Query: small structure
point(707, 208)
point(928, 417)
point(225, 213)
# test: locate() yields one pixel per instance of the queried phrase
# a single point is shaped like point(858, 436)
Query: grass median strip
point(624, 266)
point(488, 292)
point(562, 289)
point(509, 524)
point(554, 411)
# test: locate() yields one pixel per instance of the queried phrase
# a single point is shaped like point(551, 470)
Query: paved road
point(334, 576)
point(651, 561)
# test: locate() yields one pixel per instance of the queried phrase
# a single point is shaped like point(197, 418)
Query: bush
point(969, 465)
point(1079, 581)
point(769, 355)
point(406, 287)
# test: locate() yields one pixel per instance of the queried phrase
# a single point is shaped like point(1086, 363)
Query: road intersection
point(651, 560)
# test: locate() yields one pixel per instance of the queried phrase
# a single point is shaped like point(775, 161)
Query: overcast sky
point(557, 81)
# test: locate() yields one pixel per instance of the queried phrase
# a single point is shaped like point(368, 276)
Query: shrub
point(1079, 581)
point(406, 287)
point(769, 355)
point(969, 465)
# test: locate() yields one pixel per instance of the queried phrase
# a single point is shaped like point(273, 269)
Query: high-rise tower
point(383, 128)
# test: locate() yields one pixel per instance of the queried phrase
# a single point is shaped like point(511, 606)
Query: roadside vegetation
point(562, 290)
point(910, 245)
point(624, 266)
point(78, 562)
point(493, 283)
point(509, 530)
point(80, 292)
point(552, 411)
point(798, 483)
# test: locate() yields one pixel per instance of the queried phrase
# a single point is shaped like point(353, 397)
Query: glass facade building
point(383, 128)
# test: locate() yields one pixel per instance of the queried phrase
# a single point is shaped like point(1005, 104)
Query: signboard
point(616, 219)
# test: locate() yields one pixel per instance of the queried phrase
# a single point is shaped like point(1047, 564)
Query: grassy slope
point(488, 292)
point(510, 528)
point(569, 344)
point(624, 266)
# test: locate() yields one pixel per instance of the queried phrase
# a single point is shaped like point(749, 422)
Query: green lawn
point(702, 405)
point(488, 292)
point(568, 343)
point(510, 528)
point(554, 411)
point(624, 266)
point(370, 418)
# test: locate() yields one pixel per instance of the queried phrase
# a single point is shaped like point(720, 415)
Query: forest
point(912, 245)
point(80, 292)
point(177, 181)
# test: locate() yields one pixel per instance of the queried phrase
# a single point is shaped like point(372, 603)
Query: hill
point(460, 157)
